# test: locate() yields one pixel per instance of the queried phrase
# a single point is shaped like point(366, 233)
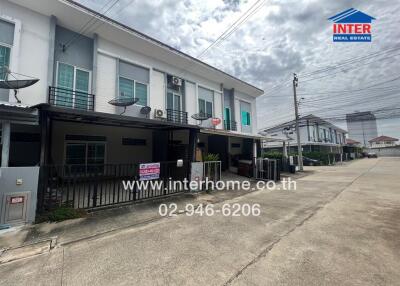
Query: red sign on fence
point(149, 171)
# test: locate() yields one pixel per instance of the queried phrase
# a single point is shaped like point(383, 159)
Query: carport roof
point(108, 119)
point(231, 134)
point(18, 113)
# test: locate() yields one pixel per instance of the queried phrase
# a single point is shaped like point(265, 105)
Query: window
point(227, 117)
point(205, 107)
point(74, 86)
point(133, 82)
point(206, 99)
point(85, 156)
point(4, 61)
point(246, 118)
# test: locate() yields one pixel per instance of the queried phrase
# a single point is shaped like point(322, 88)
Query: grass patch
point(60, 214)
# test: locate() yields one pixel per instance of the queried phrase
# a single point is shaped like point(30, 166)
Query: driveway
point(340, 227)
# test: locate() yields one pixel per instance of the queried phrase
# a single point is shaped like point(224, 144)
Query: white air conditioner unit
point(176, 81)
point(158, 113)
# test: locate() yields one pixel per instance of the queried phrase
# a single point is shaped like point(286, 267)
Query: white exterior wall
point(30, 56)
point(106, 83)
point(191, 101)
point(252, 101)
point(30, 51)
point(304, 136)
point(116, 153)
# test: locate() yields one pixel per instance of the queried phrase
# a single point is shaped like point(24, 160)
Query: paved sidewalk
point(340, 227)
point(109, 220)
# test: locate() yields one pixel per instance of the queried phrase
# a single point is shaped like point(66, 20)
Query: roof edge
point(112, 21)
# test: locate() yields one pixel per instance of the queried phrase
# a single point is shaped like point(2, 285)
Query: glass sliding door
point(82, 89)
point(73, 87)
point(4, 61)
point(65, 83)
point(227, 116)
point(174, 105)
point(4, 66)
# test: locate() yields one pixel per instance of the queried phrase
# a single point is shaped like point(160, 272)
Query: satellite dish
point(123, 102)
point(16, 83)
point(201, 116)
point(145, 110)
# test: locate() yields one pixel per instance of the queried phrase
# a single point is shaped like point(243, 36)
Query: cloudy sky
point(280, 38)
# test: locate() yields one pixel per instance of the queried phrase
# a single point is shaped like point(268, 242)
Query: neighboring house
point(382, 142)
point(352, 149)
point(362, 127)
point(352, 143)
point(316, 134)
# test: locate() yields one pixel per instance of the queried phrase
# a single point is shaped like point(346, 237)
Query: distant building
point(362, 127)
point(383, 141)
point(352, 143)
point(316, 134)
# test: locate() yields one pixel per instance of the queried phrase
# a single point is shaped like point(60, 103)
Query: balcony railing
point(177, 116)
point(230, 125)
point(71, 98)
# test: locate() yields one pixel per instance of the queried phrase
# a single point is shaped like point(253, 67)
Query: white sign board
point(149, 171)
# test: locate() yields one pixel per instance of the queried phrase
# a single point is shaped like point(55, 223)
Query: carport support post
point(254, 157)
point(44, 122)
point(193, 135)
point(5, 137)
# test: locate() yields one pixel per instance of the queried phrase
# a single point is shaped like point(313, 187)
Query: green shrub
point(323, 157)
point(272, 155)
point(211, 157)
point(61, 213)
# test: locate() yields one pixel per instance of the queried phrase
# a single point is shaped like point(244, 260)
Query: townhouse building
point(109, 95)
point(316, 134)
point(84, 77)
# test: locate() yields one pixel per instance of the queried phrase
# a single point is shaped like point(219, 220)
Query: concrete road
point(340, 227)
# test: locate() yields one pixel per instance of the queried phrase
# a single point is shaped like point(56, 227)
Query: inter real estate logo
point(352, 26)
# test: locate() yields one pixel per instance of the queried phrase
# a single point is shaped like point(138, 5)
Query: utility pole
point(296, 112)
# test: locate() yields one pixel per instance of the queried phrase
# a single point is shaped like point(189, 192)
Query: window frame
point(74, 82)
point(174, 93)
point(248, 118)
point(10, 54)
point(86, 143)
point(205, 106)
point(134, 89)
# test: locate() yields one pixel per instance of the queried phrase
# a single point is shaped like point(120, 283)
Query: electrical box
point(15, 207)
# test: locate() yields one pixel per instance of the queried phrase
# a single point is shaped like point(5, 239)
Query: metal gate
point(93, 186)
point(267, 169)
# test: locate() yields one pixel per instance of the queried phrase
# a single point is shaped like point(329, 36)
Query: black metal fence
point(71, 98)
point(230, 125)
point(177, 116)
point(93, 186)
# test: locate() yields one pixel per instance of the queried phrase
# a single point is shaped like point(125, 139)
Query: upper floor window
point(245, 114)
point(73, 85)
point(4, 61)
point(175, 88)
point(6, 43)
point(206, 101)
point(133, 82)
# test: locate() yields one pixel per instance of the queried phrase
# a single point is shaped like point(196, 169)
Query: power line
point(234, 26)
point(88, 24)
